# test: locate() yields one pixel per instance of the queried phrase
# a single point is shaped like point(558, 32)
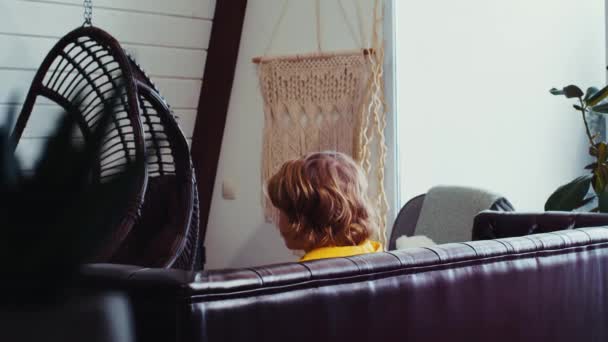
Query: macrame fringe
point(310, 104)
point(327, 101)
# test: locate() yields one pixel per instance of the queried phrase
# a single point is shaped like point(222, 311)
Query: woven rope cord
point(318, 25)
point(360, 40)
point(374, 122)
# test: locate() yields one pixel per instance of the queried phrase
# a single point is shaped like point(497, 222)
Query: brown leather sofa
point(544, 287)
point(495, 224)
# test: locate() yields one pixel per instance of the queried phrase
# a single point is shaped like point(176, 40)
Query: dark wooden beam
point(222, 56)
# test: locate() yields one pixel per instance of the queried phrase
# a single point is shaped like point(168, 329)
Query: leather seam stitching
point(505, 244)
point(561, 237)
point(252, 269)
point(435, 252)
point(309, 270)
point(471, 247)
point(356, 265)
point(396, 257)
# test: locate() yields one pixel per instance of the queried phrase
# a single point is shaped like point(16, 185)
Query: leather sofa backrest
point(544, 287)
point(492, 224)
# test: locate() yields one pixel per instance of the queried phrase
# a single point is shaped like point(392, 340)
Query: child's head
point(323, 202)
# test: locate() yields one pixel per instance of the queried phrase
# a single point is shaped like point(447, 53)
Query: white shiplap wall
point(168, 38)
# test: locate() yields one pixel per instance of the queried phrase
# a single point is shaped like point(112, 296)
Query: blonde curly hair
point(323, 199)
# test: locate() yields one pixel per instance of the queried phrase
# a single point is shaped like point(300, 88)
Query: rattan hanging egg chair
point(83, 72)
point(167, 234)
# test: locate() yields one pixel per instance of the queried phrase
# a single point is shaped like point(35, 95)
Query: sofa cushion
point(491, 224)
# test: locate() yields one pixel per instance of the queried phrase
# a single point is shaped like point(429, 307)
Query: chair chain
point(88, 12)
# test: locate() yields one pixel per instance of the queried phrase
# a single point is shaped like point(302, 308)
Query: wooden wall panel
point(168, 38)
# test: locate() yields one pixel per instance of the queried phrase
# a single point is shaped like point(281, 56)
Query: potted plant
point(53, 220)
point(592, 187)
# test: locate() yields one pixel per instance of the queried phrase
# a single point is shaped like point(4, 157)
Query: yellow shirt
point(368, 246)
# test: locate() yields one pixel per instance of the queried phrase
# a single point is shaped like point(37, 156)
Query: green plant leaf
point(603, 108)
point(593, 151)
point(573, 91)
point(577, 107)
point(598, 181)
point(590, 92)
point(602, 200)
point(74, 217)
point(598, 97)
point(602, 152)
point(569, 196)
point(569, 91)
point(591, 166)
point(587, 201)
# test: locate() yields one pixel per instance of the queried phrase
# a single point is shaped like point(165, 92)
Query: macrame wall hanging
point(327, 101)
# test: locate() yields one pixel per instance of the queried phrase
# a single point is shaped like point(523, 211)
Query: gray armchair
point(441, 202)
